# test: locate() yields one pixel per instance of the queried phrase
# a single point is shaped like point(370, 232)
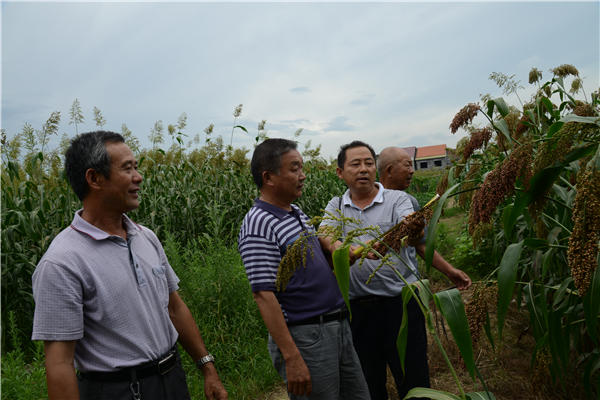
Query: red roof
point(431, 151)
point(410, 150)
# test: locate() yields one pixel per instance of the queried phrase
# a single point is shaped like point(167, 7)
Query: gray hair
point(88, 150)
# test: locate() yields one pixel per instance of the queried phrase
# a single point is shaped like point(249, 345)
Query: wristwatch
point(204, 360)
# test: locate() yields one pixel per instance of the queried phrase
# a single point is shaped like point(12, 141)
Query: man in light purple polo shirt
point(106, 299)
point(309, 336)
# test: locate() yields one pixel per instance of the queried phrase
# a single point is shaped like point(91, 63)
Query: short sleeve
point(261, 259)
point(58, 299)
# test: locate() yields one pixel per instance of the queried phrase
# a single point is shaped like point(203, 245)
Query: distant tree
point(76, 115)
point(100, 120)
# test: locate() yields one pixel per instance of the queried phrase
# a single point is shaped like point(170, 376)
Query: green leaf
point(591, 305)
point(431, 394)
point(560, 293)
point(487, 327)
point(548, 104)
point(577, 118)
point(403, 332)
point(501, 106)
point(505, 219)
point(507, 274)
point(555, 127)
point(453, 309)
point(241, 127)
point(536, 244)
point(341, 267)
point(480, 396)
point(430, 242)
point(501, 124)
point(592, 366)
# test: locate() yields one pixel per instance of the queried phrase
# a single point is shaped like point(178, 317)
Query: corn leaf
point(480, 396)
point(430, 393)
point(507, 274)
point(341, 266)
point(403, 332)
point(592, 366)
point(453, 309)
point(430, 242)
point(591, 305)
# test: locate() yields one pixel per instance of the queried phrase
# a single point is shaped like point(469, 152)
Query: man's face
point(401, 173)
point(120, 191)
point(290, 180)
point(359, 170)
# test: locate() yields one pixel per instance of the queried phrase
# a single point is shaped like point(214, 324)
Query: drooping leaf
point(341, 267)
point(535, 244)
point(501, 106)
point(480, 396)
point(403, 332)
point(430, 393)
point(560, 293)
point(591, 305)
point(241, 127)
point(555, 127)
point(507, 274)
point(430, 242)
point(452, 308)
point(592, 366)
point(487, 327)
point(577, 118)
point(501, 124)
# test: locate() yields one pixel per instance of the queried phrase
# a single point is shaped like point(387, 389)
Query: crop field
point(519, 213)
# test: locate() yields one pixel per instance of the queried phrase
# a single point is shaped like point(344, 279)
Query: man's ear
point(266, 176)
point(94, 179)
point(339, 172)
point(388, 170)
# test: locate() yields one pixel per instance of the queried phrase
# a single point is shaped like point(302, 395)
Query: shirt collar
point(347, 199)
point(273, 209)
point(81, 225)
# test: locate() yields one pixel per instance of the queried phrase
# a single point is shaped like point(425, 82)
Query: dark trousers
point(375, 332)
point(170, 386)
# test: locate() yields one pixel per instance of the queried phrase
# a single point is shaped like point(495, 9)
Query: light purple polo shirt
point(108, 294)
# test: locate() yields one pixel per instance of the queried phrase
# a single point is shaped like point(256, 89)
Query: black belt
point(336, 316)
point(370, 301)
point(159, 367)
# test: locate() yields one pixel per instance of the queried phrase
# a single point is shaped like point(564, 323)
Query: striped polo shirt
point(387, 209)
point(265, 234)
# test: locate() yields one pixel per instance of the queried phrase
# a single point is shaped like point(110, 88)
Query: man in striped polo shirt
point(309, 335)
point(377, 306)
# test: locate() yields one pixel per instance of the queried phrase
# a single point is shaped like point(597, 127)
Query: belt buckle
point(167, 364)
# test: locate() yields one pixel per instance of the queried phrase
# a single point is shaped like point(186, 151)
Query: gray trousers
point(332, 362)
point(170, 386)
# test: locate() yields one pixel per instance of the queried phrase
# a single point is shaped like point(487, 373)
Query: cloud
point(363, 100)
point(338, 124)
point(300, 90)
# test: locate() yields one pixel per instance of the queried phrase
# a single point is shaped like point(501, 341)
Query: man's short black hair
point(88, 150)
point(357, 143)
point(267, 157)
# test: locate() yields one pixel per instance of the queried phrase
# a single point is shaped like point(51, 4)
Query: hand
point(460, 279)
point(416, 226)
point(353, 257)
point(298, 377)
point(213, 388)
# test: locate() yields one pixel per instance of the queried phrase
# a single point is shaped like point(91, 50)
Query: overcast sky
point(387, 73)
